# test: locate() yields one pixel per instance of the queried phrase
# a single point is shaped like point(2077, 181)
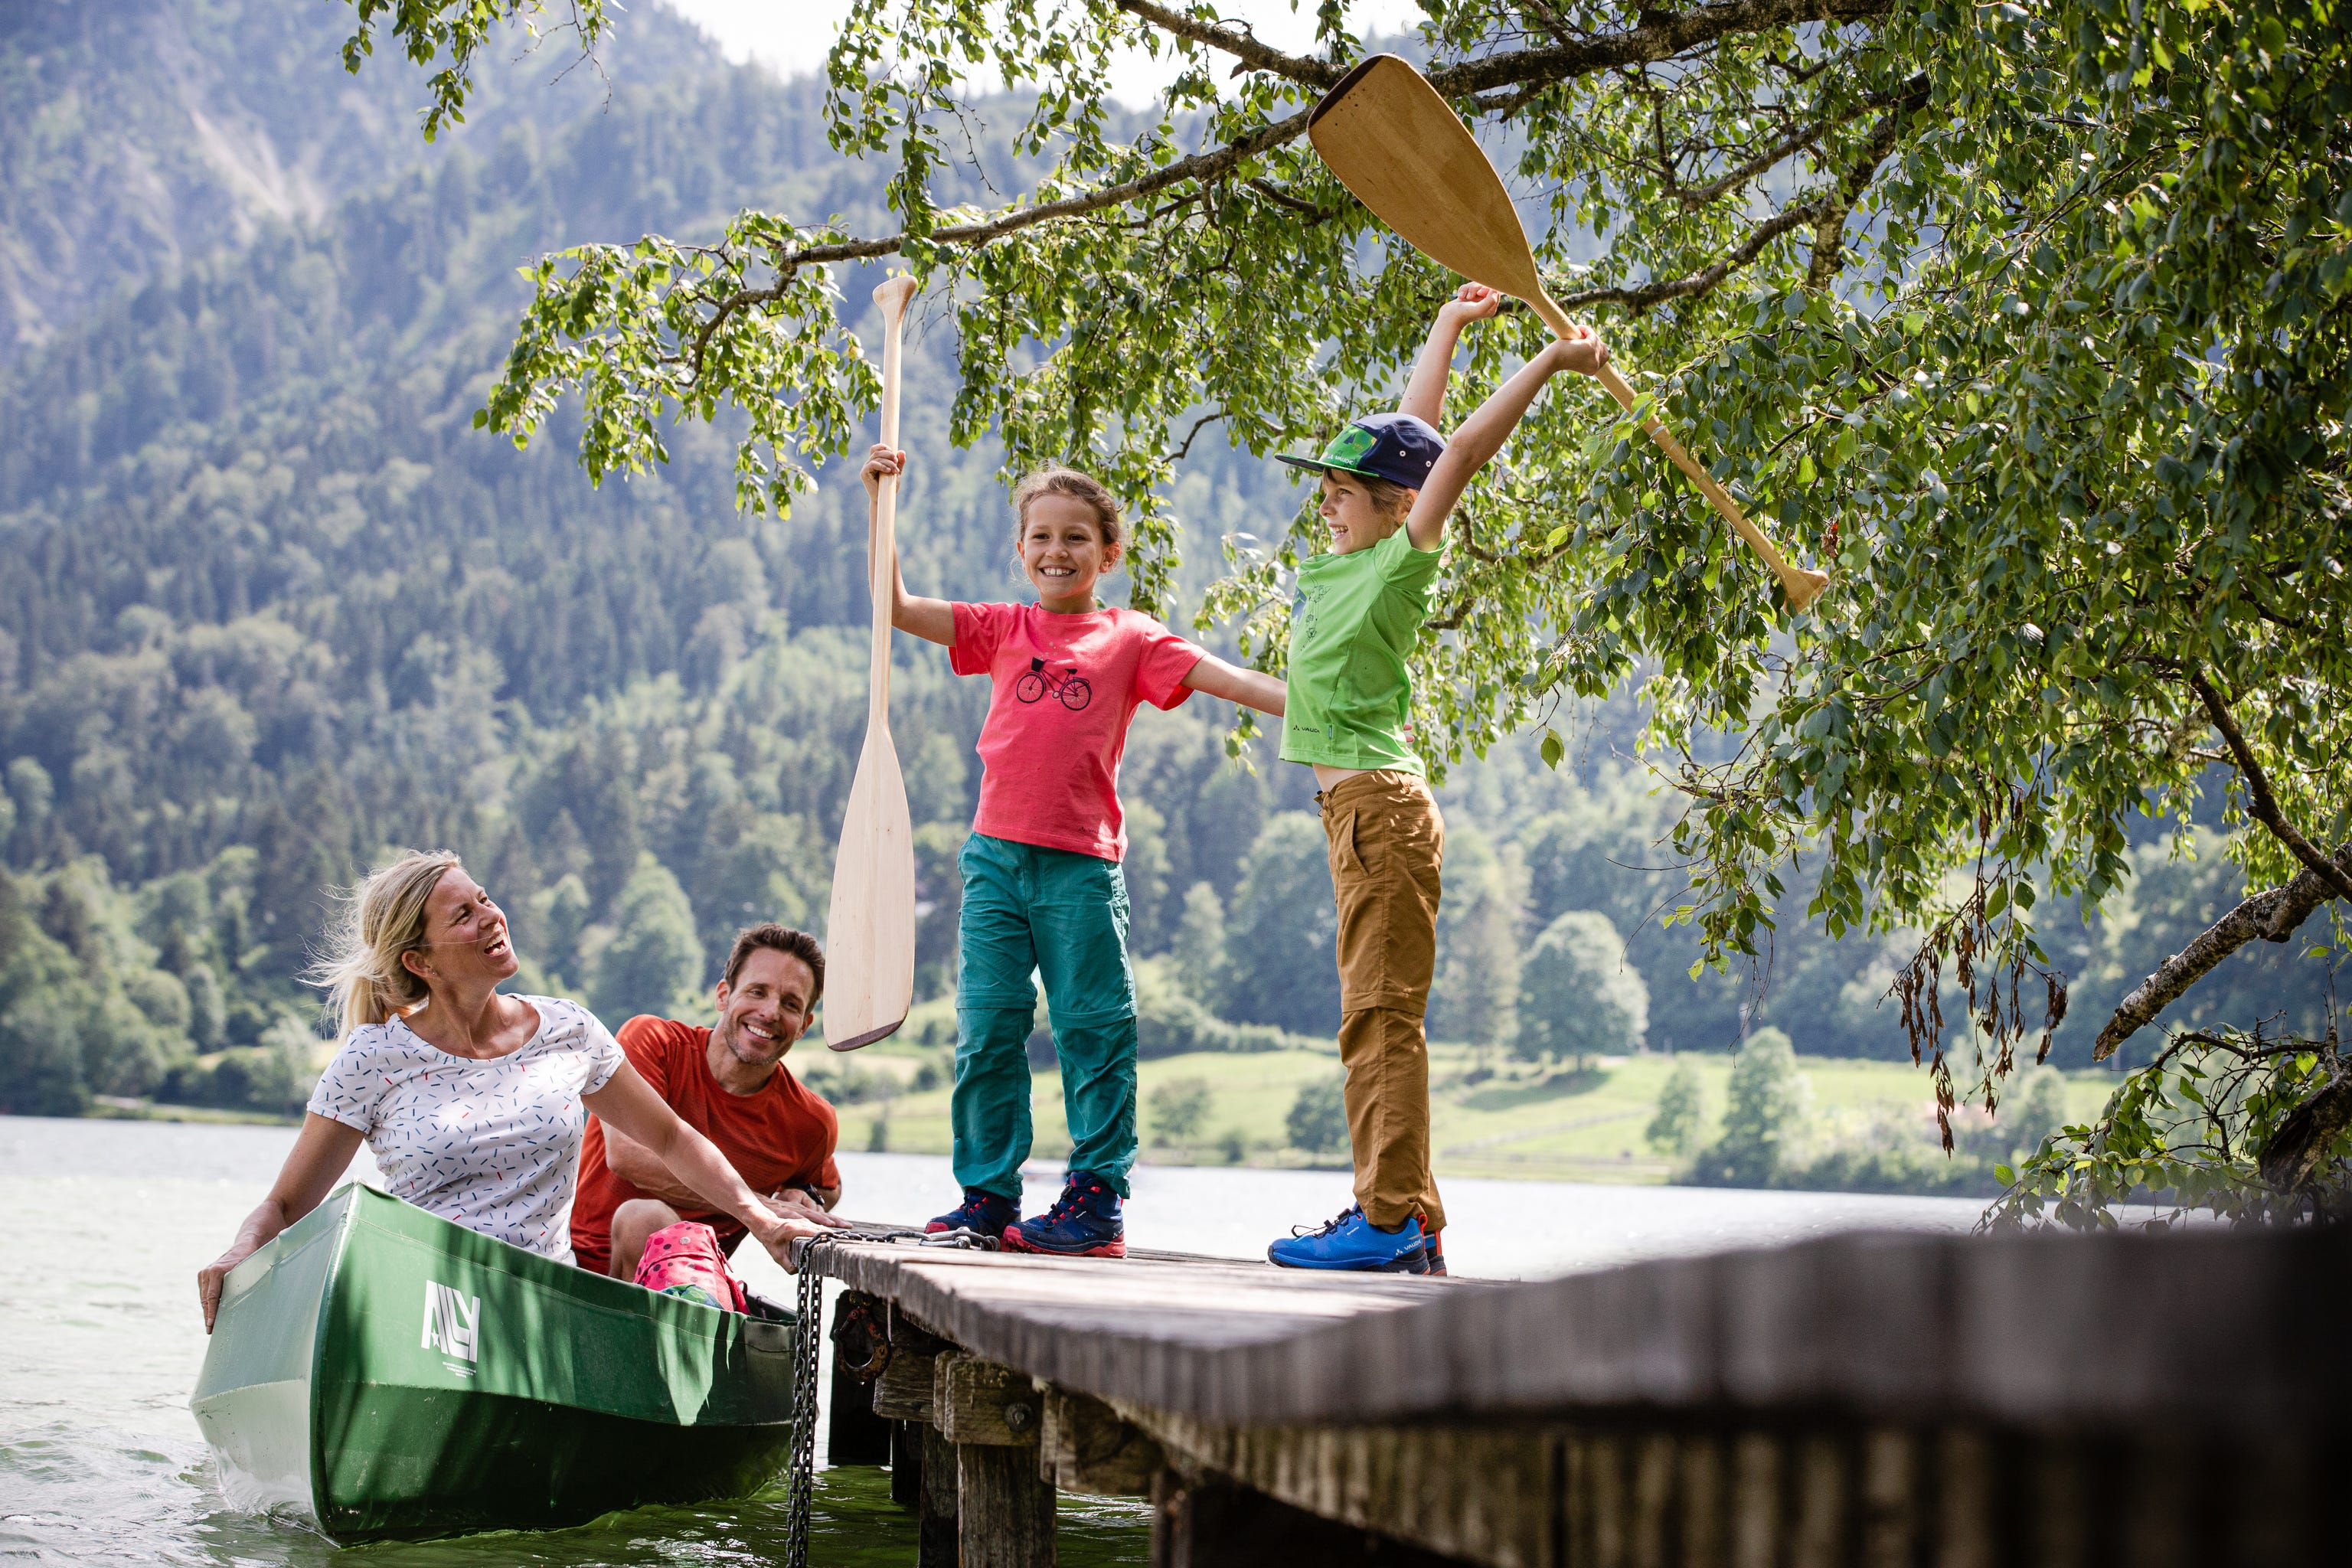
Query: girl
point(1389, 483)
point(1041, 888)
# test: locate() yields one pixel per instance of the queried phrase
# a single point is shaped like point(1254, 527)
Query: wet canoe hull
point(392, 1376)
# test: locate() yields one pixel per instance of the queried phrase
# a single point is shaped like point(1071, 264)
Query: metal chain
point(810, 1307)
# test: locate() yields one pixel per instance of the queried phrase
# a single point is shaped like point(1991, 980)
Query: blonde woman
point(473, 1103)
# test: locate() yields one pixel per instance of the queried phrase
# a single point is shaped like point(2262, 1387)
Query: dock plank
point(2213, 1325)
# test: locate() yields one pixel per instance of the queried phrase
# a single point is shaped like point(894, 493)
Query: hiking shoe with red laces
point(1083, 1222)
point(1432, 1253)
point(981, 1213)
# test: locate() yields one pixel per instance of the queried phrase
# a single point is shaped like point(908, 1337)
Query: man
point(730, 1083)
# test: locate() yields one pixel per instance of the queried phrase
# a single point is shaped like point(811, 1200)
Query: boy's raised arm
point(1474, 446)
point(931, 619)
point(1425, 395)
point(1250, 687)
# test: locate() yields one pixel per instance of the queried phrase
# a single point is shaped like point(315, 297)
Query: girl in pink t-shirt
point(1041, 888)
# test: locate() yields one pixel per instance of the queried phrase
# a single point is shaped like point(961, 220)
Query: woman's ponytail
point(380, 921)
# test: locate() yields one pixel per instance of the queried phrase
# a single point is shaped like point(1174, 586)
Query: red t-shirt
point(1064, 690)
point(782, 1135)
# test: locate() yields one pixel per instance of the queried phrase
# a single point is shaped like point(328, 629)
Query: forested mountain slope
point(141, 136)
point(273, 605)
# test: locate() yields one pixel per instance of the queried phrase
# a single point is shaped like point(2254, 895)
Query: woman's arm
point(641, 1169)
point(931, 619)
point(321, 1152)
point(1482, 435)
point(628, 1103)
point(1425, 395)
point(1250, 687)
point(636, 1164)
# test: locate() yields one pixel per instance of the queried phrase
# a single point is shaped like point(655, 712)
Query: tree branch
point(2265, 804)
point(1659, 36)
point(2272, 916)
point(1241, 43)
point(1830, 207)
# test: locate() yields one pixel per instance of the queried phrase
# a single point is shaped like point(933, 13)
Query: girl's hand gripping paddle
point(1400, 147)
point(870, 932)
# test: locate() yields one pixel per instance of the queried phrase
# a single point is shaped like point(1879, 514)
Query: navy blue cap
point(1397, 448)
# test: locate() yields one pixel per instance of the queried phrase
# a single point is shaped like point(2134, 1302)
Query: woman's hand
point(322, 1150)
point(210, 1277)
point(1584, 353)
point(881, 463)
point(792, 1203)
point(1471, 302)
point(783, 1230)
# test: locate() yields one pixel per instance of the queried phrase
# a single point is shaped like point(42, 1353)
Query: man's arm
point(1250, 687)
point(636, 1164)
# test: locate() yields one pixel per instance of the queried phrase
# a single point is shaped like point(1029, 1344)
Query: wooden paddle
point(1401, 148)
point(869, 933)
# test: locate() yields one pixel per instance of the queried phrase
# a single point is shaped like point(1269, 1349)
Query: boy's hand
point(1471, 302)
point(1584, 353)
point(881, 462)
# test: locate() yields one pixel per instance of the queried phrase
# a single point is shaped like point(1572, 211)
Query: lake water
point(100, 1337)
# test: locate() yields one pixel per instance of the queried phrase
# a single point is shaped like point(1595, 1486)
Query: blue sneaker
point(1351, 1241)
point(1083, 1222)
point(983, 1213)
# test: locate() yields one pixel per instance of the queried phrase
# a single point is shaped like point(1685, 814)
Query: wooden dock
point(1869, 1399)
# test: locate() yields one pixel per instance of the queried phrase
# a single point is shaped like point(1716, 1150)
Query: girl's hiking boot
point(1351, 1241)
point(1083, 1222)
point(983, 1214)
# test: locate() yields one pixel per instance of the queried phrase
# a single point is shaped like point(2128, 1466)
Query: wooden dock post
point(855, 1435)
point(1207, 1521)
point(937, 1542)
point(1005, 1509)
point(906, 1463)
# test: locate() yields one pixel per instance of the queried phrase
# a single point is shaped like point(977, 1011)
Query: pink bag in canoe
point(685, 1259)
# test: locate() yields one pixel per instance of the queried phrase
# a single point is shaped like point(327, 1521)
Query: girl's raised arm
point(1250, 687)
point(1425, 395)
point(1482, 435)
point(931, 619)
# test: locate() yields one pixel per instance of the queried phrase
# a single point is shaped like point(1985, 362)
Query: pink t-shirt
point(1063, 689)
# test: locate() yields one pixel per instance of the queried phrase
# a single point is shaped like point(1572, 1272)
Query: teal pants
point(1062, 917)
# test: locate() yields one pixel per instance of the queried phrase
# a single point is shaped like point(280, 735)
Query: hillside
point(274, 605)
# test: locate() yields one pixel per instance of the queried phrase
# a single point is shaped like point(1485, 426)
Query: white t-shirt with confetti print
point(492, 1145)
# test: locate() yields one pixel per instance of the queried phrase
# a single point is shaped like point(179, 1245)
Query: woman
point(473, 1103)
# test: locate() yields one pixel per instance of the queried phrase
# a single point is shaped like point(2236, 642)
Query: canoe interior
point(394, 1376)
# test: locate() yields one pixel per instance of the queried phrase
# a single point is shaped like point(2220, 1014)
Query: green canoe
point(393, 1376)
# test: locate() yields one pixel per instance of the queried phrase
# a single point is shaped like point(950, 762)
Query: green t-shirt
point(1352, 624)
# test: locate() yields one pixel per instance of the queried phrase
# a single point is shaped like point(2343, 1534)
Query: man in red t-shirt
point(728, 1083)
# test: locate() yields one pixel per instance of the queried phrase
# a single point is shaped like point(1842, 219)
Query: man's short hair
point(781, 939)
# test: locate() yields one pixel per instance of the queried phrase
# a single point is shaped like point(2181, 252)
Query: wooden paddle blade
point(1400, 147)
point(870, 932)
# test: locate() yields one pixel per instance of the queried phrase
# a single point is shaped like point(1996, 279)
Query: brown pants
point(1387, 840)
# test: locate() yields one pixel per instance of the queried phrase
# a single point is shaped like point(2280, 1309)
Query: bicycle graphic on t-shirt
point(1071, 689)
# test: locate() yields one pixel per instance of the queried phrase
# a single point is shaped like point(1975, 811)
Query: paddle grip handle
point(882, 555)
point(1801, 585)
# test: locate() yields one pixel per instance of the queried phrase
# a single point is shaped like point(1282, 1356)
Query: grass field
point(1491, 1116)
